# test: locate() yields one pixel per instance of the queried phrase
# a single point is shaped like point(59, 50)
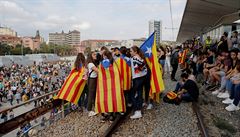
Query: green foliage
point(8, 50)
point(58, 49)
point(61, 50)
point(87, 50)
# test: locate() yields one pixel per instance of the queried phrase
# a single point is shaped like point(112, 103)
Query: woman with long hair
point(78, 64)
point(139, 71)
point(162, 58)
point(92, 81)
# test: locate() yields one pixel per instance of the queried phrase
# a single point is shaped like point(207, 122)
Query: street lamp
point(22, 47)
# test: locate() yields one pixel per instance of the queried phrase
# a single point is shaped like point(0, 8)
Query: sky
point(95, 19)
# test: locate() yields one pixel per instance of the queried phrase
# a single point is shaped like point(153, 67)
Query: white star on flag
point(148, 51)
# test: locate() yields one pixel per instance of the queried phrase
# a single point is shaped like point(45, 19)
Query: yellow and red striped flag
point(73, 86)
point(149, 49)
point(125, 72)
point(109, 95)
point(183, 56)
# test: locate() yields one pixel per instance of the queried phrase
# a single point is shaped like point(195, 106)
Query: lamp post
point(22, 47)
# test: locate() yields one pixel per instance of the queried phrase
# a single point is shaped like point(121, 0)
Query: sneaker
point(144, 104)
point(227, 101)
point(232, 107)
point(129, 105)
point(150, 106)
point(223, 95)
point(216, 92)
point(91, 113)
point(137, 114)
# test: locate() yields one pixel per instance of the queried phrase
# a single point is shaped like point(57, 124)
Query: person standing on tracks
point(174, 62)
point(139, 71)
point(92, 81)
point(189, 91)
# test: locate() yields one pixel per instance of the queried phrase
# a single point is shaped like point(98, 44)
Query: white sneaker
point(216, 92)
point(224, 95)
point(144, 104)
point(150, 106)
point(137, 114)
point(232, 107)
point(219, 94)
point(129, 105)
point(227, 101)
point(91, 113)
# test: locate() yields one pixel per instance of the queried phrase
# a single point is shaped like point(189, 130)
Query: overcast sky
point(95, 19)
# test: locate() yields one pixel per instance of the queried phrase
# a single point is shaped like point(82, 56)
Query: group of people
point(218, 62)
point(138, 69)
point(20, 83)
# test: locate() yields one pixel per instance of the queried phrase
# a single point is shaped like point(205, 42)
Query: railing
point(29, 101)
point(12, 124)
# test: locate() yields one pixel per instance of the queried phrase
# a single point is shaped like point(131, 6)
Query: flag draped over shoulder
point(73, 86)
point(182, 56)
point(149, 49)
point(125, 71)
point(109, 95)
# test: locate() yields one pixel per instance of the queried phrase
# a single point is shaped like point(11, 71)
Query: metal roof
point(200, 15)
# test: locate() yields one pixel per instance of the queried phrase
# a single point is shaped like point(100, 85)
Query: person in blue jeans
point(139, 72)
point(233, 86)
point(234, 98)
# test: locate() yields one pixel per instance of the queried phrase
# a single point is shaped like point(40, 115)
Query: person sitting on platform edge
point(189, 91)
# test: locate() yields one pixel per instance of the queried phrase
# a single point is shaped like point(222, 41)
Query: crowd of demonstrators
point(219, 63)
point(21, 83)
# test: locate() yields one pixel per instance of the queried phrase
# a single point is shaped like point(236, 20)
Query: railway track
point(201, 124)
point(120, 118)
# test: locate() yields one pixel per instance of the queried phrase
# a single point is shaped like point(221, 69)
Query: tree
point(87, 50)
point(5, 49)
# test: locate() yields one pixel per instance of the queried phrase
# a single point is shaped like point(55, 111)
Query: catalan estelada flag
point(149, 49)
point(109, 95)
point(125, 71)
point(73, 86)
point(182, 56)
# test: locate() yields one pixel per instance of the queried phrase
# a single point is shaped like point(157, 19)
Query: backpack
point(171, 98)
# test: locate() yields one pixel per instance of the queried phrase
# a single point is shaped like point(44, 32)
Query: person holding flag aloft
point(139, 71)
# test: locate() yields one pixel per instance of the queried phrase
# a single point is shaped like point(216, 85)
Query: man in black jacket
point(174, 62)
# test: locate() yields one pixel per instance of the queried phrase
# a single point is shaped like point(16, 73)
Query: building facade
point(33, 42)
point(132, 42)
point(157, 27)
point(97, 44)
point(7, 32)
point(10, 40)
point(71, 38)
point(57, 38)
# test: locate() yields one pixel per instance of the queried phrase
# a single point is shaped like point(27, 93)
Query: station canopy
point(200, 15)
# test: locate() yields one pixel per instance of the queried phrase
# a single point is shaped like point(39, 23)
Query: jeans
point(178, 87)
point(174, 70)
point(229, 85)
point(146, 85)
point(92, 86)
point(223, 80)
point(137, 93)
point(236, 95)
point(162, 62)
point(187, 97)
point(83, 99)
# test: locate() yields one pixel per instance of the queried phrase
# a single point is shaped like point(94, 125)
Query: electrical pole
point(170, 4)
point(22, 47)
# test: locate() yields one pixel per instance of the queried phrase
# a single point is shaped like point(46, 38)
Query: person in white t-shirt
point(92, 81)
